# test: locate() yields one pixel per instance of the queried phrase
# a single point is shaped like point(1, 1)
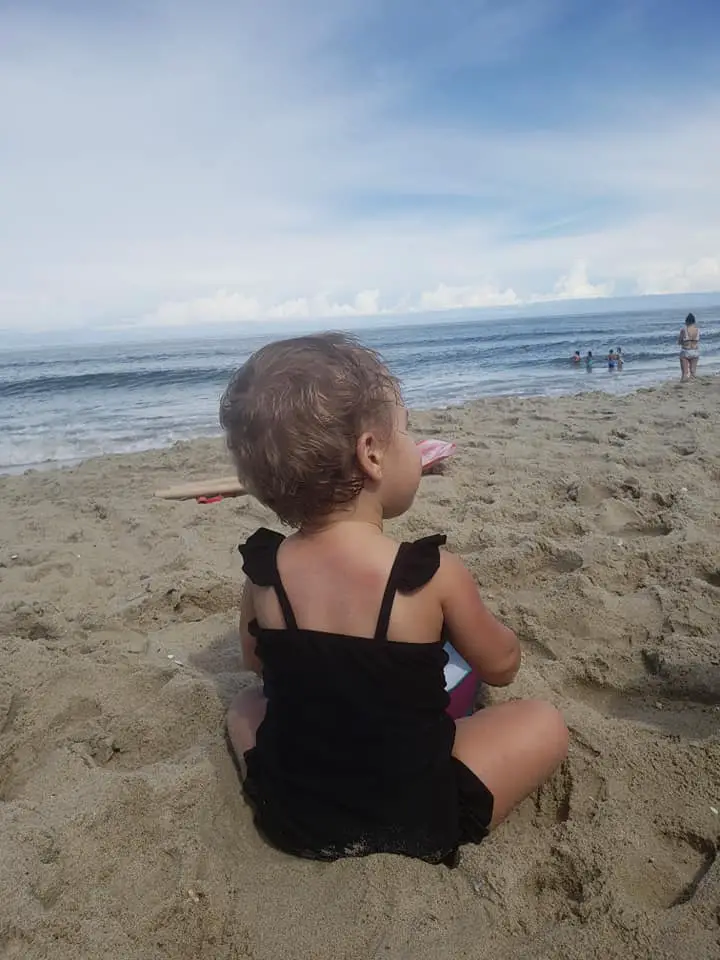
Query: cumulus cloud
point(444, 297)
point(575, 285)
point(226, 307)
point(221, 307)
point(363, 304)
point(702, 276)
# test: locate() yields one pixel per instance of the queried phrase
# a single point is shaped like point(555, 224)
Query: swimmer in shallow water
point(589, 361)
point(612, 361)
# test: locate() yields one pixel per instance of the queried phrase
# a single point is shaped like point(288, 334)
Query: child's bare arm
point(491, 648)
point(247, 640)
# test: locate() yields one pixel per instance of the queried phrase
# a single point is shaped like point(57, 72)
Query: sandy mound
point(593, 527)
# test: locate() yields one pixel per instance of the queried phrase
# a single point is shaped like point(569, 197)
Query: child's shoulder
point(412, 563)
point(451, 566)
point(422, 561)
point(259, 556)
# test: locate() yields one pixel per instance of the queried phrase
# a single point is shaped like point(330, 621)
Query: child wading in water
point(348, 750)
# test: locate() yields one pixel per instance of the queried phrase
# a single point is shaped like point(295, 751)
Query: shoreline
point(70, 464)
point(591, 524)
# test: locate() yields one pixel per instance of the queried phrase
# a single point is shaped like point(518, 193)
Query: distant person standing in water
point(612, 361)
point(589, 361)
point(689, 340)
point(619, 358)
point(576, 357)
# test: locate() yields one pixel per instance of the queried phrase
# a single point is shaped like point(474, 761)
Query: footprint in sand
point(191, 600)
point(565, 561)
point(589, 494)
point(561, 883)
point(665, 869)
point(11, 702)
point(574, 794)
point(30, 621)
point(711, 576)
point(651, 707)
point(616, 517)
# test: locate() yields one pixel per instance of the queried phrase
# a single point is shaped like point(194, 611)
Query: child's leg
point(513, 748)
point(245, 715)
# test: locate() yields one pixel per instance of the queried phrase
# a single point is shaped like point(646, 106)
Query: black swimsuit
point(354, 755)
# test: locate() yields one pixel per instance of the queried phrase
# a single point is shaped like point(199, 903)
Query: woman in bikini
point(689, 341)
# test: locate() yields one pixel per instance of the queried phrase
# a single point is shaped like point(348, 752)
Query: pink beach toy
point(434, 452)
point(461, 683)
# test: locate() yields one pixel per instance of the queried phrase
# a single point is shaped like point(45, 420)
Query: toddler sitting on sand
point(349, 750)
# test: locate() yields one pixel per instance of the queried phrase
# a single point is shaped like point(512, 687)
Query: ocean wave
point(62, 406)
point(47, 450)
point(114, 380)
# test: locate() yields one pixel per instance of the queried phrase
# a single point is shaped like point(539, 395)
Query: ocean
point(61, 405)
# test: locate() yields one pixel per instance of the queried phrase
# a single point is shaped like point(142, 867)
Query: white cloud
point(702, 276)
point(226, 307)
point(363, 304)
point(444, 297)
point(222, 306)
point(575, 285)
point(213, 161)
point(218, 308)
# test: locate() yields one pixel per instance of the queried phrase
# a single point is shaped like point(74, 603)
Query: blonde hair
point(292, 416)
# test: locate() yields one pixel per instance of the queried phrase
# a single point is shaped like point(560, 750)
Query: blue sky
point(175, 163)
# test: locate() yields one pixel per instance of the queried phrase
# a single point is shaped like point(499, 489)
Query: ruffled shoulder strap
point(415, 565)
point(259, 553)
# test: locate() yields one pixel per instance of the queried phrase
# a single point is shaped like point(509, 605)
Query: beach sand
point(592, 525)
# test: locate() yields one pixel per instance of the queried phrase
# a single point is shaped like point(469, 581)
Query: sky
point(169, 164)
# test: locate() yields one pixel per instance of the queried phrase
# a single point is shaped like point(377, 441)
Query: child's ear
point(369, 455)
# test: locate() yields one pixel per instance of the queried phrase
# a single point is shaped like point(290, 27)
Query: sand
point(593, 527)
